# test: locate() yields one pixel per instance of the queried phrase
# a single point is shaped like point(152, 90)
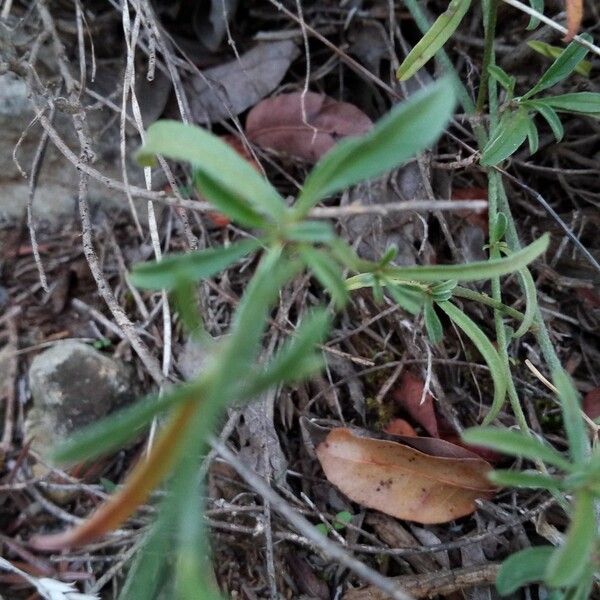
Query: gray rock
point(72, 385)
point(55, 199)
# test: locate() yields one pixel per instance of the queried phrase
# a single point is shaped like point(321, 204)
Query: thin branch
point(544, 19)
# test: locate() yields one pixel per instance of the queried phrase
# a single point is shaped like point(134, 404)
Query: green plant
point(285, 242)
point(517, 123)
point(570, 569)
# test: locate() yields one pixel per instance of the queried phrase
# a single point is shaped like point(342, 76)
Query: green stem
point(490, 8)
point(462, 292)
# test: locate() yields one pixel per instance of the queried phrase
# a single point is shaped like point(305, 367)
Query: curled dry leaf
point(402, 481)
point(574, 18)
point(278, 124)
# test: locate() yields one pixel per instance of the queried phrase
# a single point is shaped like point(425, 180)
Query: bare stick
point(351, 210)
point(538, 15)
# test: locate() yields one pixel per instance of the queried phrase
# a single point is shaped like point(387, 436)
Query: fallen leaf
point(401, 481)
point(278, 124)
point(400, 427)
point(408, 396)
point(476, 218)
point(241, 83)
point(591, 404)
point(574, 17)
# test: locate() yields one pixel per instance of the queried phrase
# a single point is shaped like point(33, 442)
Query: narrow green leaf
point(433, 325)
point(489, 353)
point(439, 33)
point(570, 561)
point(310, 231)
point(298, 357)
point(533, 137)
point(327, 271)
point(471, 271)
point(185, 293)
point(583, 68)
point(562, 67)
point(516, 444)
point(523, 567)
point(550, 116)
point(531, 304)
point(244, 340)
point(410, 299)
point(214, 159)
point(582, 103)
point(570, 404)
point(123, 426)
point(237, 208)
point(526, 479)
point(502, 77)
point(510, 133)
point(534, 21)
point(498, 228)
point(193, 266)
point(406, 130)
point(443, 291)
point(389, 255)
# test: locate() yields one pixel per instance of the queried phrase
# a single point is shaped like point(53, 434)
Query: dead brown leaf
point(402, 481)
point(278, 124)
point(233, 87)
point(408, 396)
point(574, 17)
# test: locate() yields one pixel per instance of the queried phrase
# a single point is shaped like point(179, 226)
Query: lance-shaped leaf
point(510, 133)
point(439, 33)
point(570, 404)
point(583, 103)
point(531, 305)
point(298, 357)
point(570, 561)
point(193, 266)
point(516, 444)
point(523, 567)
point(223, 176)
point(549, 114)
point(489, 353)
point(474, 271)
point(561, 68)
point(534, 21)
point(408, 129)
point(327, 271)
point(584, 68)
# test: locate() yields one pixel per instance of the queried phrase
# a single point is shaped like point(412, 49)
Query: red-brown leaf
point(408, 396)
point(574, 17)
point(591, 404)
point(404, 482)
point(277, 124)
